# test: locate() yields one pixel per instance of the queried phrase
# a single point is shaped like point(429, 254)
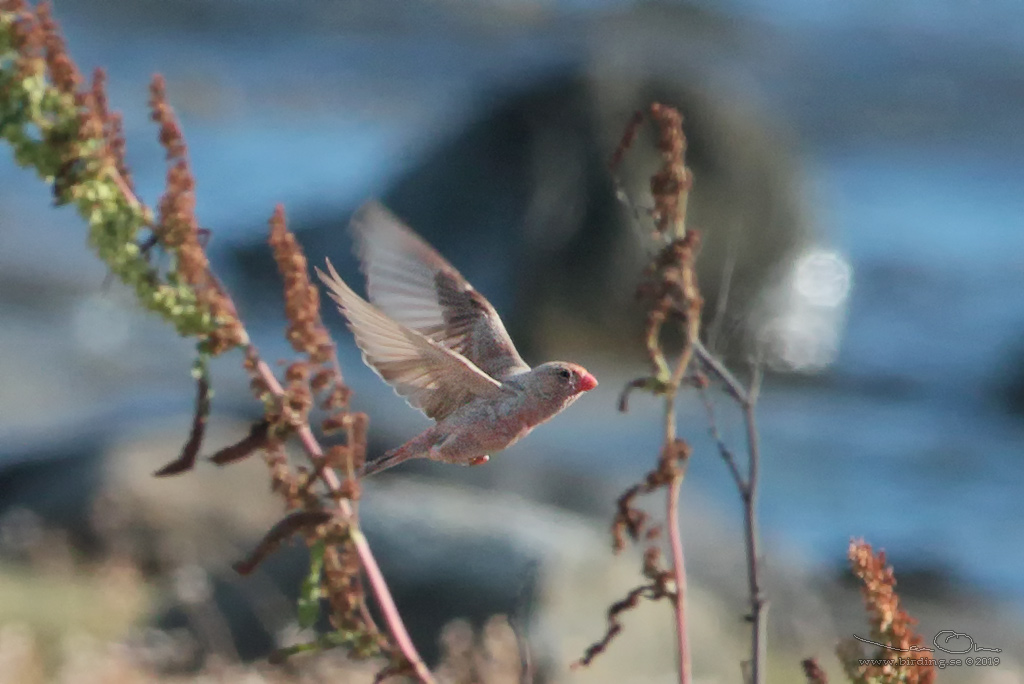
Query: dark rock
point(521, 201)
point(1009, 386)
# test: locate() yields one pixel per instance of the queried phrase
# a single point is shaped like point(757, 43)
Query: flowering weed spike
point(67, 133)
point(890, 625)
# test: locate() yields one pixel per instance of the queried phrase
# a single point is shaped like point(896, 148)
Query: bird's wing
point(433, 379)
point(409, 281)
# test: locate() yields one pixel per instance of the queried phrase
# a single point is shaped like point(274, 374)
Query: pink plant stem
point(369, 563)
point(679, 568)
point(313, 450)
point(674, 535)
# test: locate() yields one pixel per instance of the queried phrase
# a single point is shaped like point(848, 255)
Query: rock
point(1009, 385)
point(517, 194)
point(448, 551)
point(98, 487)
point(449, 554)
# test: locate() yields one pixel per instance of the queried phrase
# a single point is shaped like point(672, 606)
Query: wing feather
point(432, 378)
point(413, 284)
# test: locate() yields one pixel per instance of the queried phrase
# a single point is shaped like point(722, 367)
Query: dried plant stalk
point(670, 289)
point(69, 135)
point(813, 672)
point(901, 654)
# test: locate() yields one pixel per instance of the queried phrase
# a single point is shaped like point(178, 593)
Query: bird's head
point(560, 378)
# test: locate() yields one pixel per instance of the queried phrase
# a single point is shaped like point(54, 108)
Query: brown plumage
point(443, 347)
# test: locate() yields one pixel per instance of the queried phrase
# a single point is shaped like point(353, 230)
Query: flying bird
point(441, 345)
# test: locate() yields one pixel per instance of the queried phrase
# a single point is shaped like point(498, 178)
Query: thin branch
point(758, 604)
point(723, 449)
point(369, 563)
point(733, 386)
point(387, 603)
point(748, 490)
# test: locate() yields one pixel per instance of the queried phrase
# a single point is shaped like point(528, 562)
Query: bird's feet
point(479, 460)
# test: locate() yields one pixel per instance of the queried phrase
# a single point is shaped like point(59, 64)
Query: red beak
point(587, 382)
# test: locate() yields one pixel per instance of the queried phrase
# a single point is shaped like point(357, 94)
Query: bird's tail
point(391, 458)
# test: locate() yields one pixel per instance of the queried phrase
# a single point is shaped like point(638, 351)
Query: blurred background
point(858, 171)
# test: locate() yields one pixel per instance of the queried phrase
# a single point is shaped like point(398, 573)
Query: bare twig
point(758, 604)
point(748, 489)
point(733, 386)
point(723, 449)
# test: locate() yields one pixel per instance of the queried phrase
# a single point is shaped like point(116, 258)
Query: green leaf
point(282, 654)
point(311, 592)
point(364, 645)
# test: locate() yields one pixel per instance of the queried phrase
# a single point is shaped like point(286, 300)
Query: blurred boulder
point(1009, 385)
point(518, 195)
point(98, 488)
point(449, 552)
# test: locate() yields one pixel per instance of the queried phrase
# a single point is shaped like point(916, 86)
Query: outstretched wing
point(431, 378)
point(409, 281)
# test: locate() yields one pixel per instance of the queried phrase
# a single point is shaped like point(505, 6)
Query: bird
point(442, 346)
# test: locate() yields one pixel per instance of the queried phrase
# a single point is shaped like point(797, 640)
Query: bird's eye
point(564, 373)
